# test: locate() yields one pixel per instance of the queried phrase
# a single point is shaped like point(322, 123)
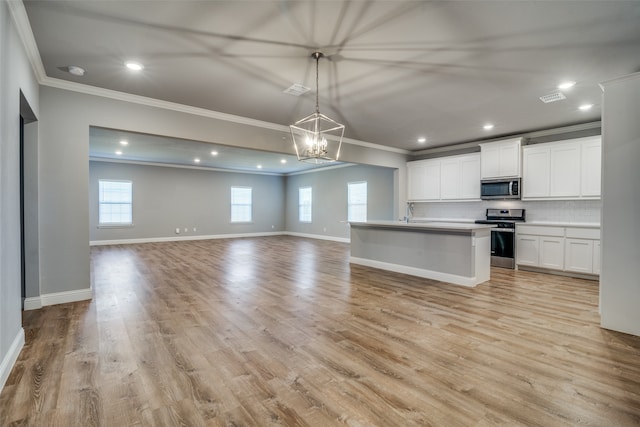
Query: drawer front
point(583, 233)
point(540, 230)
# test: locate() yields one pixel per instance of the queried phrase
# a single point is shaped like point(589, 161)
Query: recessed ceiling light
point(119, 153)
point(75, 70)
point(134, 66)
point(488, 126)
point(566, 85)
point(124, 142)
point(283, 161)
point(422, 140)
point(585, 107)
point(259, 166)
point(197, 160)
point(214, 153)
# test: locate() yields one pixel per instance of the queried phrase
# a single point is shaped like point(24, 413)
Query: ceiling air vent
point(296, 90)
point(553, 97)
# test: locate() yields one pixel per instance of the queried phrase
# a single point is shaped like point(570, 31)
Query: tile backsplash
point(570, 211)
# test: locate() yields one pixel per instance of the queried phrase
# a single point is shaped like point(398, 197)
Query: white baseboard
point(318, 236)
point(419, 272)
point(182, 238)
point(34, 303)
point(10, 358)
point(215, 236)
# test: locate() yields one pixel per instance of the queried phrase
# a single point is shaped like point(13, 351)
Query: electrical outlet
point(186, 229)
point(194, 229)
point(273, 226)
point(177, 230)
point(324, 229)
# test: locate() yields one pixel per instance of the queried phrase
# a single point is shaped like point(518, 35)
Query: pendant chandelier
point(317, 138)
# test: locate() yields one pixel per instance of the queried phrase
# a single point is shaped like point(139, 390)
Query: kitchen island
point(458, 253)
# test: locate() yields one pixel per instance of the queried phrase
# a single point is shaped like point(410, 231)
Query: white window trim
point(115, 224)
point(310, 221)
point(231, 221)
point(366, 204)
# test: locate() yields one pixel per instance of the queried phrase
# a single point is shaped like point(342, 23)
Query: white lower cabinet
point(527, 248)
point(579, 255)
point(596, 257)
point(551, 252)
point(570, 249)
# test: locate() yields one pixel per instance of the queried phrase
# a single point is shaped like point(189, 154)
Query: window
point(357, 201)
point(115, 202)
point(240, 204)
point(304, 204)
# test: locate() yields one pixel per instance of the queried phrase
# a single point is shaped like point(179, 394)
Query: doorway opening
point(29, 252)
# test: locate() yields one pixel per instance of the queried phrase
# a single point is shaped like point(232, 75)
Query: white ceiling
point(394, 70)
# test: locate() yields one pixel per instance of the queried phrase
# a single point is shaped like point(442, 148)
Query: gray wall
point(329, 208)
point(64, 176)
point(15, 76)
point(620, 278)
point(165, 198)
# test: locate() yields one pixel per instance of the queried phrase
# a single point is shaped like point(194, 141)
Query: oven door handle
point(503, 230)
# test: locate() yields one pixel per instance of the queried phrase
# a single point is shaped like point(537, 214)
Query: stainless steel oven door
point(503, 247)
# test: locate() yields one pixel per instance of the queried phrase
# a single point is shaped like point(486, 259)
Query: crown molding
point(524, 135)
point(21, 20)
point(617, 80)
point(202, 168)
point(322, 169)
point(179, 166)
point(157, 103)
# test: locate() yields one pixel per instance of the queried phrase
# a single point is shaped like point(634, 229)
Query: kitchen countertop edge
point(561, 224)
point(435, 225)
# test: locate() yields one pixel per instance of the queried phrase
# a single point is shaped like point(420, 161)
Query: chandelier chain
point(317, 55)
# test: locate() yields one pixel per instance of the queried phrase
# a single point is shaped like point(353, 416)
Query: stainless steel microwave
point(491, 189)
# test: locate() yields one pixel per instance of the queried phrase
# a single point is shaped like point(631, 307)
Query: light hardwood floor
point(283, 331)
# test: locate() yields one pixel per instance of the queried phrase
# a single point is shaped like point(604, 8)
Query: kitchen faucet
point(409, 212)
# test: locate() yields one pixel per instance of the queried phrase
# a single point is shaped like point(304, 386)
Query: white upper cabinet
point(423, 180)
point(500, 159)
point(469, 173)
point(564, 180)
point(445, 178)
point(431, 185)
point(565, 170)
point(415, 175)
point(450, 179)
point(591, 167)
point(535, 176)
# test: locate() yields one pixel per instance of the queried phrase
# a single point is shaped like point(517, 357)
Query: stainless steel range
point(503, 239)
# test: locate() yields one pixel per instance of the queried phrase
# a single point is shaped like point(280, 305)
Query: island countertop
point(426, 226)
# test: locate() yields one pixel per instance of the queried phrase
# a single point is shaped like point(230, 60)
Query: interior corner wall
point(329, 198)
point(619, 283)
point(16, 75)
point(195, 201)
